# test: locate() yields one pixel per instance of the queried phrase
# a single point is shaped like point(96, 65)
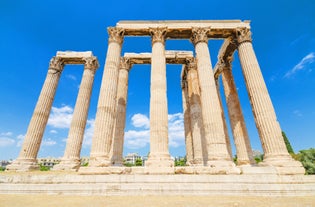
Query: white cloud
point(6, 141)
point(135, 139)
point(308, 59)
point(140, 120)
point(60, 117)
point(48, 142)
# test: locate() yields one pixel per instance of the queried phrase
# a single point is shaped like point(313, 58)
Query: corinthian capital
point(199, 34)
point(116, 34)
point(243, 35)
point(158, 34)
point(56, 63)
point(125, 63)
point(91, 63)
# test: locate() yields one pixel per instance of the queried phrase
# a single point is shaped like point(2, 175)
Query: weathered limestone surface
point(187, 121)
point(241, 139)
point(118, 139)
point(268, 127)
point(166, 185)
point(159, 160)
point(218, 156)
point(106, 108)
point(71, 158)
point(33, 138)
point(195, 114)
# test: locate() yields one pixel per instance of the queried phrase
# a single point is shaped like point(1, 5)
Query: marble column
point(218, 156)
point(268, 127)
point(159, 156)
point(226, 133)
point(242, 143)
point(119, 131)
point(106, 108)
point(187, 122)
point(27, 157)
point(71, 158)
point(195, 113)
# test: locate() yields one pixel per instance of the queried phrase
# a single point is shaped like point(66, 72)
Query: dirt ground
point(158, 201)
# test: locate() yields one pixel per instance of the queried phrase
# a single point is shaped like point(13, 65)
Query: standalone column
point(106, 108)
point(187, 123)
point(159, 158)
point(243, 148)
point(27, 158)
point(195, 113)
point(118, 139)
point(268, 127)
point(71, 158)
point(218, 156)
point(226, 133)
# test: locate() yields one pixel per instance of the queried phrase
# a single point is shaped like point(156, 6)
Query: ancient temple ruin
point(208, 148)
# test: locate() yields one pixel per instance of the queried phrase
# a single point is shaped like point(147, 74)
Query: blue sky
point(32, 31)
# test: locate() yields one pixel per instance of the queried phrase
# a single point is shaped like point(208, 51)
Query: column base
point(159, 164)
point(257, 170)
point(198, 162)
point(23, 165)
point(68, 165)
point(100, 161)
point(222, 167)
point(284, 164)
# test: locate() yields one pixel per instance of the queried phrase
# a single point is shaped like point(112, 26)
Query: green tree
point(307, 158)
point(139, 162)
point(43, 168)
point(287, 143)
point(180, 161)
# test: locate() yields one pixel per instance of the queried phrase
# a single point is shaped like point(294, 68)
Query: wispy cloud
point(297, 113)
point(6, 141)
point(48, 142)
point(71, 77)
point(307, 60)
point(60, 117)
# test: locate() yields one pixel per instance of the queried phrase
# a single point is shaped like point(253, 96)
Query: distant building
point(48, 161)
point(4, 163)
point(131, 158)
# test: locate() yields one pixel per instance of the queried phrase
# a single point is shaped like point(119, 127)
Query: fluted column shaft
point(122, 91)
point(226, 133)
point(158, 102)
point(264, 114)
point(269, 130)
point(71, 158)
point(195, 113)
point(187, 124)
point(241, 139)
point(27, 157)
point(106, 108)
point(211, 113)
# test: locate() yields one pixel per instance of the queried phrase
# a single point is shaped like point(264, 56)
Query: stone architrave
point(71, 158)
point(122, 91)
point(195, 113)
point(33, 138)
point(275, 152)
point(218, 156)
point(159, 160)
point(106, 108)
point(243, 148)
point(187, 121)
